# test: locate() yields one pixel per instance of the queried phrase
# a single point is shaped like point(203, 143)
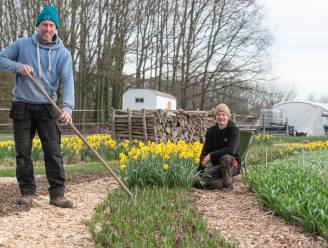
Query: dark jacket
point(219, 142)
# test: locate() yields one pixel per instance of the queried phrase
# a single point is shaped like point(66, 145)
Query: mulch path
point(241, 219)
point(9, 192)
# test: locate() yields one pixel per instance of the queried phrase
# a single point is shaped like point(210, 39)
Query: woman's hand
point(206, 160)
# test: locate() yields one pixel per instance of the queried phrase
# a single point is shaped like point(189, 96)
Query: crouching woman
point(220, 154)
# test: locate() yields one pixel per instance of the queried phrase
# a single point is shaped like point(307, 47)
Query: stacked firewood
point(160, 125)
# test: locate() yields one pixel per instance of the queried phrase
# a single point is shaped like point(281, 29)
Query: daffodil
point(122, 160)
point(165, 167)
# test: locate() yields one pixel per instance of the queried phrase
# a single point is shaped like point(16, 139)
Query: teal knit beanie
point(48, 13)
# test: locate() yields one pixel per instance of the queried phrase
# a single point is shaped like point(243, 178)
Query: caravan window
point(324, 114)
point(139, 100)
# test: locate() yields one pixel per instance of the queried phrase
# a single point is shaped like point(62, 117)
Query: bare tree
point(202, 51)
point(266, 95)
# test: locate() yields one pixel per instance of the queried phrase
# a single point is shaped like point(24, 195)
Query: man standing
point(221, 148)
point(44, 56)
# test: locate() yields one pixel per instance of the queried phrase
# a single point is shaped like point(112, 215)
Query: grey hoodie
point(50, 62)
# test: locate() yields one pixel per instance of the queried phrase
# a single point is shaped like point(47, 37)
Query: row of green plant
point(267, 148)
point(282, 139)
point(296, 189)
point(161, 213)
point(155, 171)
point(155, 217)
point(259, 153)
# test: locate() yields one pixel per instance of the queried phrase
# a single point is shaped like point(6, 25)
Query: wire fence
point(87, 121)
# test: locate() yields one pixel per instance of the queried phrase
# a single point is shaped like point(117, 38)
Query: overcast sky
point(300, 49)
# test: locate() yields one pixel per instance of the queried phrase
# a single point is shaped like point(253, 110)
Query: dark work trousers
point(27, 119)
point(225, 170)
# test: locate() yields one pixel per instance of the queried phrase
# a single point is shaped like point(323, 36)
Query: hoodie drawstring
point(49, 63)
point(39, 60)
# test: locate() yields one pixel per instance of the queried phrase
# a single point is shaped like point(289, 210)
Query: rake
point(103, 161)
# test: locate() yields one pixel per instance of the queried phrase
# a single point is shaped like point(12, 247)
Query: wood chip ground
point(240, 218)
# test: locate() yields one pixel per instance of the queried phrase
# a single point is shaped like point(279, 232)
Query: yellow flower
point(6, 144)
point(165, 167)
point(110, 143)
point(36, 144)
point(166, 157)
point(125, 144)
point(123, 160)
point(134, 153)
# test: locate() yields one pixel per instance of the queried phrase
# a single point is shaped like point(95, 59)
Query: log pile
point(160, 125)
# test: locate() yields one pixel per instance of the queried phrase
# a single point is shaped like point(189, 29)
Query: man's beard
point(48, 37)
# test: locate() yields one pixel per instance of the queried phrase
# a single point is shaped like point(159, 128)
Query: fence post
point(130, 125)
point(144, 125)
point(113, 125)
point(263, 123)
point(303, 160)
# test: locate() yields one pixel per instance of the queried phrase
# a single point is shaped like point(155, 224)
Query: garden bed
point(295, 189)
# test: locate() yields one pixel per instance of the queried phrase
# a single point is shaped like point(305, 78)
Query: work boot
point(199, 185)
point(25, 200)
point(61, 202)
point(214, 184)
point(211, 185)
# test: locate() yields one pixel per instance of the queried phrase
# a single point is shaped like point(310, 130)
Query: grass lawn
point(4, 137)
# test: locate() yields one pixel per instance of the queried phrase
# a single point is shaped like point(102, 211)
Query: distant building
point(307, 117)
point(137, 99)
point(269, 117)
